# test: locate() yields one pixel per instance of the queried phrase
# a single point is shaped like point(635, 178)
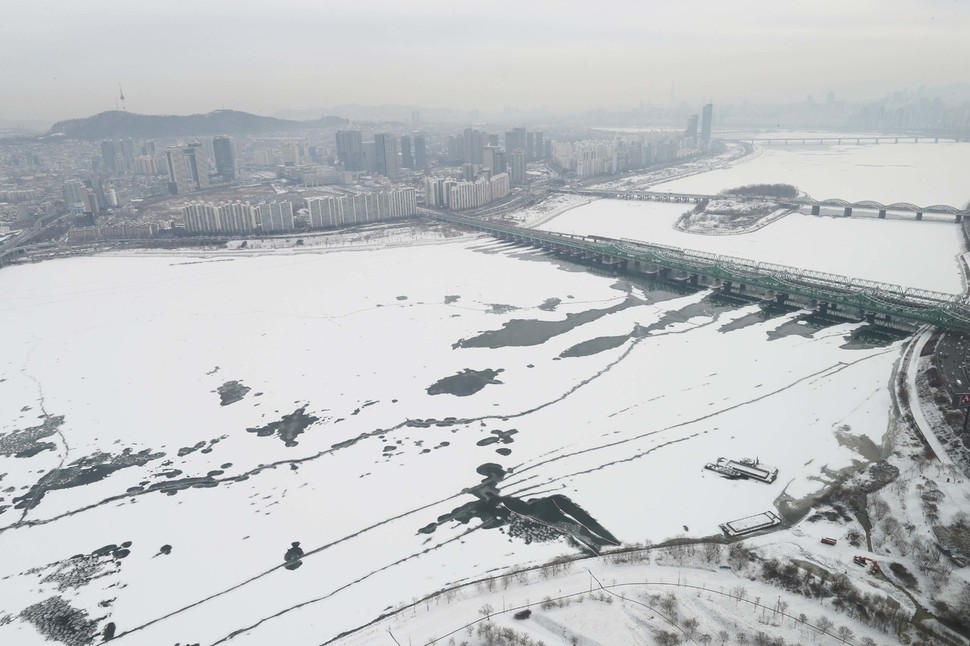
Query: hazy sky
point(65, 58)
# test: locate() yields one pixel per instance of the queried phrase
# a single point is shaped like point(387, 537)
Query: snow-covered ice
point(132, 351)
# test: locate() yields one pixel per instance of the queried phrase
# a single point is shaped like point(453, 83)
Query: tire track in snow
point(811, 378)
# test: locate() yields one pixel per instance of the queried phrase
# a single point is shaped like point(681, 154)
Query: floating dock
point(743, 468)
point(751, 524)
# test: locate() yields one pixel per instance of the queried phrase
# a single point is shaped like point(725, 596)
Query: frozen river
point(922, 174)
point(904, 252)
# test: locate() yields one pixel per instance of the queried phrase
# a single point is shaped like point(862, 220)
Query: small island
point(739, 210)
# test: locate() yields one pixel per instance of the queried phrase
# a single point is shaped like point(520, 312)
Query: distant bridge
point(778, 283)
point(864, 205)
point(786, 141)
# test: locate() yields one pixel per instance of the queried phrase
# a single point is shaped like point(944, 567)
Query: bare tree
point(723, 636)
point(690, 625)
point(824, 624)
point(845, 634)
point(486, 611)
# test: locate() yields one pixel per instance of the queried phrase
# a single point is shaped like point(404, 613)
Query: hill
point(118, 124)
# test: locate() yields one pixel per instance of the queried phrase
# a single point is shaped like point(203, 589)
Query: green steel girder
point(914, 305)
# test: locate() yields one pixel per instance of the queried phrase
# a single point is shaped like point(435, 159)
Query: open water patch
point(288, 428)
point(535, 520)
point(86, 470)
point(526, 332)
point(28, 442)
point(595, 346)
point(465, 383)
point(231, 392)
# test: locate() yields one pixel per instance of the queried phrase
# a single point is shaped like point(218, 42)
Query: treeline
point(770, 190)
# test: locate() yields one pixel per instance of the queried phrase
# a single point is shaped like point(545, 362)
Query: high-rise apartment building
point(188, 169)
point(350, 150)
point(420, 155)
point(385, 155)
point(690, 132)
point(518, 167)
point(407, 157)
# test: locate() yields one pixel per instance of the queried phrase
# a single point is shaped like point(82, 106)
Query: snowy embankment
point(203, 416)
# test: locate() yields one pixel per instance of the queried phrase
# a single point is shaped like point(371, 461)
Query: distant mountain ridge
point(118, 124)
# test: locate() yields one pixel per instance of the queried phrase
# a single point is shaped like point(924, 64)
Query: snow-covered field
point(213, 412)
point(903, 252)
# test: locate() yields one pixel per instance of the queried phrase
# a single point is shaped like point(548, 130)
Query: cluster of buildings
point(444, 193)
point(244, 218)
point(590, 158)
point(386, 155)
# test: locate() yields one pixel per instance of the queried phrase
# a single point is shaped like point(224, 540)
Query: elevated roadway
point(858, 297)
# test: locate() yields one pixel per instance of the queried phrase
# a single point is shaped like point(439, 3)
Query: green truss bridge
point(878, 302)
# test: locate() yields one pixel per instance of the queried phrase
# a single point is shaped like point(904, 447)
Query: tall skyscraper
point(539, 146)
point(407, 159)
point(224, 152)
point(420, 156)
point(706, 118)
point(350, 150)
point(385, 154)
point(530, 146)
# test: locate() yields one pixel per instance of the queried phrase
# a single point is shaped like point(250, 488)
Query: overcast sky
point(65, 58)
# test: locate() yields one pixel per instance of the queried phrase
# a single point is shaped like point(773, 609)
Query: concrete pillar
point(692, 279)
point(897, 140)
point(848, 211)
point(882, 214)
point(936, 141)
point(816, 209)
point(877, 140)
point(858, 141)
point(840, 142)
point(959, 218)
point(919, 215)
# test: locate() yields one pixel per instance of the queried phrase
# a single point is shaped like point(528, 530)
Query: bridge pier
point(959, 218)
point(693, 279)
point(858, 141)
point(882, 214)
point(848, 211)
point(897, 140)
point(816, 209)
point(919, 215)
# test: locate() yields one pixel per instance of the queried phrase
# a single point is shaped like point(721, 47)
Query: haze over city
point(66, 59)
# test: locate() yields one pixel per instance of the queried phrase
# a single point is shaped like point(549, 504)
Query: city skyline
point(561, 58)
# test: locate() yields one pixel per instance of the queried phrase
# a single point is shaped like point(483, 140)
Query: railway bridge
point(800, 201)
point(890, 305)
